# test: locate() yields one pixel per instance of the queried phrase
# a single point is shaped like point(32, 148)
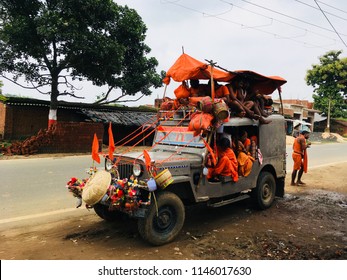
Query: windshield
point(172, 135)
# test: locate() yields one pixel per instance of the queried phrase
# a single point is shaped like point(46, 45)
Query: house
point(298, 113)
point(21, 118)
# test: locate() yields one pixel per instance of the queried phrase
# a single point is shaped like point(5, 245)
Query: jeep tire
point(264, 193)
point(164, 220)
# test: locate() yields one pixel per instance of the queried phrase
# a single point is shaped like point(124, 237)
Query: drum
point(205, 104)
point(163, 179)
point(221, 110)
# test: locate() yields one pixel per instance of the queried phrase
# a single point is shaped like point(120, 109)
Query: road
point(33, 188)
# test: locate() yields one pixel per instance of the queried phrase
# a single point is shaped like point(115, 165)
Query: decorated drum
point(205, 104)
point(163, 179)
point(221, 110)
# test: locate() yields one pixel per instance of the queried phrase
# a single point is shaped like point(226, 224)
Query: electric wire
point(275, 35)
point(280, 21)
point(337, 33)
point(326, 12)
point(291, 17)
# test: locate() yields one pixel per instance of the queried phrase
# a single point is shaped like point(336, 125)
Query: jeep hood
point(164, 158)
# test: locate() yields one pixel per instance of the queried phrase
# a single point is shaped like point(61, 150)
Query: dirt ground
point(308, 223)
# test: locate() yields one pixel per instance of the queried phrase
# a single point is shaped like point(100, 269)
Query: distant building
point(299, 114)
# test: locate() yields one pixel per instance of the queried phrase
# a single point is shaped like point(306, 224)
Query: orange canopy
point(263, 84)
point(186, 68)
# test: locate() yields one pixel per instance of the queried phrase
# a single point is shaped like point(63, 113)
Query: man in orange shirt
point(227, 162)
point(299, 155)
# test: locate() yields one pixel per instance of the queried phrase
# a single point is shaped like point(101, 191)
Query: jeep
point(161, 211)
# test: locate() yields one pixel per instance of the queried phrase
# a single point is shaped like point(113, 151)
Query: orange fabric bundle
point(200, 122)
point(182, 91)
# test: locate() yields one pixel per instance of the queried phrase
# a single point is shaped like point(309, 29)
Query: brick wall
point(74, 137)
point(2, 120)
point(27, 120)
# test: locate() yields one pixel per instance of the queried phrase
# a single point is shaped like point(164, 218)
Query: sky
point(282, 38)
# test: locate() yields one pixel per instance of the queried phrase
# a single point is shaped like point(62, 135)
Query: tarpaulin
point(187, 67)
point(260, 83)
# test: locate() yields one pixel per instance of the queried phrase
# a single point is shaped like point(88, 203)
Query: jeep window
point(178, 136)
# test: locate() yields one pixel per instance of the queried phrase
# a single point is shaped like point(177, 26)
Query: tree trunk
point(52, 116)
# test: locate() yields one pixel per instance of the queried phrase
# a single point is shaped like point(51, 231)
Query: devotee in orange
point(227, 162)
point(299, 155)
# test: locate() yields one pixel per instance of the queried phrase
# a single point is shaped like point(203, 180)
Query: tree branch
point(101, 101)
point(71, 94)
point(13, 81)
point(119, 101)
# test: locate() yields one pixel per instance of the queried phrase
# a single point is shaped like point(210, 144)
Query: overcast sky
point(282, 38)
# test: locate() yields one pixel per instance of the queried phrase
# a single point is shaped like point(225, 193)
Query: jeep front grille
point(125, 170)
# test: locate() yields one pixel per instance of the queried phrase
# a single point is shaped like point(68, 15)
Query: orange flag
point(95, 149)
point(214, 160)
point(111, 146)
point(147, 159)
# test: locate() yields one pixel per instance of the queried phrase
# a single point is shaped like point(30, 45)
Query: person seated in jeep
point(241, 102)
point(227, 162)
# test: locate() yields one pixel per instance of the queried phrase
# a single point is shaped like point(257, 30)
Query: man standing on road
point(300, 146)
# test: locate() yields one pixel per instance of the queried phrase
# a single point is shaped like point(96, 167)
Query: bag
point(200, 122)
point(182, 91)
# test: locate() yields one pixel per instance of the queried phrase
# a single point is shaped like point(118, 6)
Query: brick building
point(297, 112)
point(21, 118)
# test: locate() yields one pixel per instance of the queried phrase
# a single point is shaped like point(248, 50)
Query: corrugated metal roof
point(120, 117)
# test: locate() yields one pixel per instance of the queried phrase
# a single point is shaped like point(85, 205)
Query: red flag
point(111, 146)
point(95, 149)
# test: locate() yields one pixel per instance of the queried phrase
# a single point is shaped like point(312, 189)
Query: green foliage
point(329, 80)
point(98, 40)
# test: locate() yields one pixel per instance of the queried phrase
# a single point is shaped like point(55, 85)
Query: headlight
point(108, 164)
point(137, 170)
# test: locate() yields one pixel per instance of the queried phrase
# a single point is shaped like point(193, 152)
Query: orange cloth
point(226, 166)
point(221, 92)
point(182, 91)
point(254, 138)
point(187, 67)
point(299, 155)
point(247, 143)
point(245, 163)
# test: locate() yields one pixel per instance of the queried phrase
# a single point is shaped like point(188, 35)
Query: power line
point(280, 21)
point(319, 9)
point(275, 35)
point(332, 7)
point(330, 23)
point(285, 15)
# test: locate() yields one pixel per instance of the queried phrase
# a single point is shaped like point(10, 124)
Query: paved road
point(35, 187)
point(321, 154)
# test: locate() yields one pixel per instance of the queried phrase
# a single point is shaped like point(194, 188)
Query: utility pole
point(328, 120)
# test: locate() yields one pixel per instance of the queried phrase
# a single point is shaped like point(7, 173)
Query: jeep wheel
point(164, 220)
point(104, 213)
point(264, 193)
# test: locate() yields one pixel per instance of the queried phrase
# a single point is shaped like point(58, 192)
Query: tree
point(329, 80)
point(54, 42)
